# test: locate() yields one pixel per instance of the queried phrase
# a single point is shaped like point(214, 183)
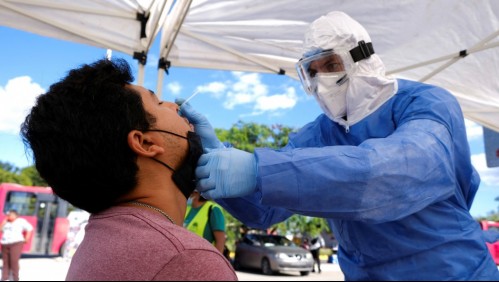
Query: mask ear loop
point(167, 166)
point(342, 80)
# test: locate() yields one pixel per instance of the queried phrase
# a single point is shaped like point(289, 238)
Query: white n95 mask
point(331, 93)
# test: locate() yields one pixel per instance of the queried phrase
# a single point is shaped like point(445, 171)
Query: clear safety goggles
point(331, 62)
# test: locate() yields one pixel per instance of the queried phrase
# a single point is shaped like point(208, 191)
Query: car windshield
point(274, 240)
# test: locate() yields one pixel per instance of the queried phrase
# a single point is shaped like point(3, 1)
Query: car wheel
point(304, 273)
point(266, 267)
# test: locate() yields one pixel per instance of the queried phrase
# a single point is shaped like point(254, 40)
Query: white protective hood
point(368, 87)
point(416, 39)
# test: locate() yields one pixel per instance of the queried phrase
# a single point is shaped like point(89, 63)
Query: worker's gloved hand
point(226, 173)
point(201, 125)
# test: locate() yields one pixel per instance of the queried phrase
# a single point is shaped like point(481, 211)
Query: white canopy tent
point(450, 43)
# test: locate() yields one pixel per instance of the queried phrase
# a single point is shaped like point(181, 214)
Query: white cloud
point(473, 130)
point(278, 101)
point(247, 89)
point(215, 89)
point(489, 176)
point(152, 61)
point(16, 99)
point(174, 88)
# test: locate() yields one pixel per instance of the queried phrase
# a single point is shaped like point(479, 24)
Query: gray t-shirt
point(128, 243)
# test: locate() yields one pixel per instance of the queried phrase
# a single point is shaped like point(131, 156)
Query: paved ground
point(55, 269)
point(330, 272)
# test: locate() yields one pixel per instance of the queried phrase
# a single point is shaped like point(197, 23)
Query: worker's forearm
point(219, 240)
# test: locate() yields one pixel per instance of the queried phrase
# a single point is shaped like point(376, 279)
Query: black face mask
point(184, 176)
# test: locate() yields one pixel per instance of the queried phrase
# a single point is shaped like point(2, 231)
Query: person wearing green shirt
point(206, 219)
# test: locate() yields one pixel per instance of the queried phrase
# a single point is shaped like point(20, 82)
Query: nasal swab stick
point(192, 96)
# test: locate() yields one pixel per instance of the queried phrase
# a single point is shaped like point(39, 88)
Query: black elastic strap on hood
point(363, 51)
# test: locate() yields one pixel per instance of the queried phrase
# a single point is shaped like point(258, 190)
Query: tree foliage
point(28, 176)
point(247, 137)
point(34, 176)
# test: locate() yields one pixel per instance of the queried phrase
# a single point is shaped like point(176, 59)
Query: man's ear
point(144, 144)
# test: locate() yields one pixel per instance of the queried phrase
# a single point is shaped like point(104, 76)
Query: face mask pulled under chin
point(331, 94)
point(184, 176)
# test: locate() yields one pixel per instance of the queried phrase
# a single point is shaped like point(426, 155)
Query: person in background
point(78, 219)
point(16, 232)
point(115, 150)
point(305, 244)
point(316, 244)
point(387, 164)
point(206, 219)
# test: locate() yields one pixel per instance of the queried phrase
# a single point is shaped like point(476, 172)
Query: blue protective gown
point(396, 189)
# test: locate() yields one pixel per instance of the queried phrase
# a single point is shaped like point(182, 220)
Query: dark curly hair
point(78, 131)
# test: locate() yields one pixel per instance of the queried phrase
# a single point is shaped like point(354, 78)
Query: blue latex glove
point(201, 125)
point(226, 173)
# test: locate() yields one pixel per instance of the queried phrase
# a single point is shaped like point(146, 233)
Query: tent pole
point(479, 46)
point(167, 43)
point(487, 39)
point(482, 45)
point(173, 29)
point(443, 58)
point(230, 50)
point(159, 22)
point(140, 78)
point(159, 84)
point(439, 69)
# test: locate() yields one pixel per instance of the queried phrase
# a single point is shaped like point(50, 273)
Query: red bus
point(493, 247)
point(46, 212)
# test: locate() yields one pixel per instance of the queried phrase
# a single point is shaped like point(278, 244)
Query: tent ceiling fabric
point(109, 24)
point(266, 36)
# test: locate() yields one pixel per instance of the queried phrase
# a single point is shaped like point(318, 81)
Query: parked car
point(493, 247)
point(271, 254)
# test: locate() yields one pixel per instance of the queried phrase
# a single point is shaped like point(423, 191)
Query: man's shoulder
point(24, 222)
point(214, 206)
point(168, 255)
point(414, 96)
point(138, 232)
point(411, 88)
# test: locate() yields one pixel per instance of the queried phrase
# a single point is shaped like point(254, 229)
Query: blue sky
point(29, 64)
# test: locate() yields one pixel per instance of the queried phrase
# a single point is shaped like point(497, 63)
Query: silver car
point(271, 254)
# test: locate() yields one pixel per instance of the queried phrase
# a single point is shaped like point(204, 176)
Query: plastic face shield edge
point(326, 62)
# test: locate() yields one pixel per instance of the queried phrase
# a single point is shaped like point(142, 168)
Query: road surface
point(45, 268)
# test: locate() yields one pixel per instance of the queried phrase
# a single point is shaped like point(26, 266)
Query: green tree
point(31, 173)
point(9, 177)
point(11, 174)
point(247, 137)
point(8, 167)
point(28, 176)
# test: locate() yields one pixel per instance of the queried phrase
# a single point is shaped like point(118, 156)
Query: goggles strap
point(363, 51)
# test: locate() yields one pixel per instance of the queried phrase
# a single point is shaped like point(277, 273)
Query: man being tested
point(388, 165)
point(113, 149)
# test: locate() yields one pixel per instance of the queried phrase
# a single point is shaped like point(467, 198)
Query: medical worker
point(388, 164)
